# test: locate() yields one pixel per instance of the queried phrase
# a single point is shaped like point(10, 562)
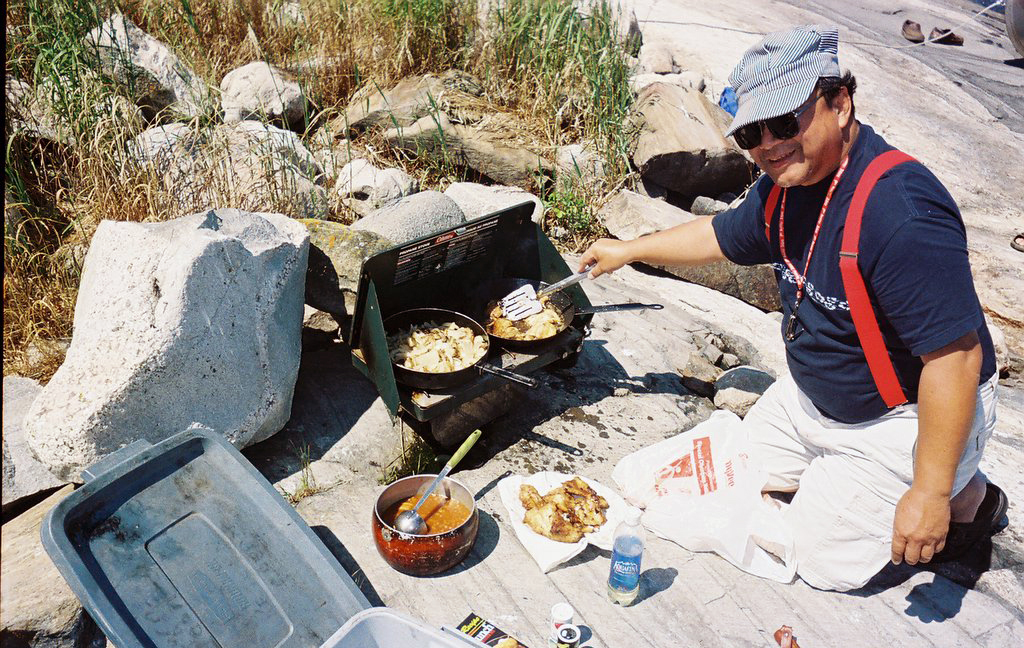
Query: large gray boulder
point(412, 217)
point(364, 188)
point(739, 388)
point(260, 91)
point(336, 256)
point(191, 322)
point(629, 215)
point(491, 153)
point(32, 114)
point(247, 165)
point(680, 142)
point(656, 58)
point(413, 98)
point(476, 200)
point(580, 163)
point(686, 79)
point(24, 476)
point(149, 70)
point(37, 608)
point(157, 146)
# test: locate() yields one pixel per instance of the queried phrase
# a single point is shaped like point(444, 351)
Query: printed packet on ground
point(487, 633)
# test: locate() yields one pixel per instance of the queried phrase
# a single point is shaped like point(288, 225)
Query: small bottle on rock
point(627, 549)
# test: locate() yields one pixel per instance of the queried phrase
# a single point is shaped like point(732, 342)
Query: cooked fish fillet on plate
point(555, 515)
point(566, 513)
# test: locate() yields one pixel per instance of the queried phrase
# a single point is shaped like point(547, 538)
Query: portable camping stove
point(447, 270)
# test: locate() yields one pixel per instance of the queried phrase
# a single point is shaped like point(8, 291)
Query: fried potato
point(436, 348)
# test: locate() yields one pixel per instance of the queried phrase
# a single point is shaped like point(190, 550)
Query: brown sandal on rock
point(912, 31)
point(945, 36)
point(1018, 242)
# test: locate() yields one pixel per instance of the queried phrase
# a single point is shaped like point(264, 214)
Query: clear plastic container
point(627, 551)
point(385, 628)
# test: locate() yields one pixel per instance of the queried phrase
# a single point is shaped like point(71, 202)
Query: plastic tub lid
point(185, 544)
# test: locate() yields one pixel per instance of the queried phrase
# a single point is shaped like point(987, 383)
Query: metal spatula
point(525, 301)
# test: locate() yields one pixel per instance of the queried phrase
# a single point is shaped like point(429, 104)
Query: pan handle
point(508, 375)
point(614, 308)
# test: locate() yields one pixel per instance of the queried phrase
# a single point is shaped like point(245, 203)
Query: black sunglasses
point(782, 127)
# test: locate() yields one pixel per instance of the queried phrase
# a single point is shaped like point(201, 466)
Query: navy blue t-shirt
point(913, 257)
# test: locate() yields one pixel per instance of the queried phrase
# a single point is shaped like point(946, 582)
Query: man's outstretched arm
point(692, 243)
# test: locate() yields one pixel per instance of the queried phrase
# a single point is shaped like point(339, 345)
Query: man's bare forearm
point(946, 402)
point(692, 243)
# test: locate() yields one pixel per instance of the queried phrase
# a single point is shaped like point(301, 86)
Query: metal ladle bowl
point(411, 522)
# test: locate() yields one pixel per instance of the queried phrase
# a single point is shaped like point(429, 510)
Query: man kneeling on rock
point(882, 421)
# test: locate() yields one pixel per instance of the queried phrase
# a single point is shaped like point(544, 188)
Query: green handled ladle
point(411, 522)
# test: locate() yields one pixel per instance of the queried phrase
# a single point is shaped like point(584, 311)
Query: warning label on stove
point(444, 252)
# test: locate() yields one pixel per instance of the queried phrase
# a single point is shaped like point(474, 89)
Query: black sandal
point(987, 521)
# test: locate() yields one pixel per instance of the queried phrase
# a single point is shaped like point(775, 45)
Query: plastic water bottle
point(627, 549)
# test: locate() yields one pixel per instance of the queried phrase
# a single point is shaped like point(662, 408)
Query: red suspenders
point(864, 320)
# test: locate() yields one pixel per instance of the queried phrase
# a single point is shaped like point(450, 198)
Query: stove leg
point(567, 362)
point(450, 429)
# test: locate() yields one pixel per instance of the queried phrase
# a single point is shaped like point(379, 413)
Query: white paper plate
point(551, 553)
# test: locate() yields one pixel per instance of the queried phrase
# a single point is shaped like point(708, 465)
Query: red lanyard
point(801, 279)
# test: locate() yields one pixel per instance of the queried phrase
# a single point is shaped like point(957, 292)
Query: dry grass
point(416, 458)
point(557, 78)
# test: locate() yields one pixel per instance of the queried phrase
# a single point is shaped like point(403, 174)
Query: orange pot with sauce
point(452, 526)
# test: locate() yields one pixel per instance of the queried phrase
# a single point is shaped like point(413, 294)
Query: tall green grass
point(51, 182)
point(571, 70)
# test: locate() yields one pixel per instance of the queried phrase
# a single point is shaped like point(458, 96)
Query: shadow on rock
point(330, 397)
point(486, 540)
point(654, 581)
point(348, 562)
point(564, 393)
point(942, 598)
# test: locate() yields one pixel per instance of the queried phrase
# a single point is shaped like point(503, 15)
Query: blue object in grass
point(728, 101)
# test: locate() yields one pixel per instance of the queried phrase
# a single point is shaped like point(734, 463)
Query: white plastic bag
point(698, 490)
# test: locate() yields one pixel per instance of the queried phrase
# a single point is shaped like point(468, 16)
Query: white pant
point(847, 478)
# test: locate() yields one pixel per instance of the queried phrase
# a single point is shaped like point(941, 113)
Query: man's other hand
point(608, 254)
point(920, 526)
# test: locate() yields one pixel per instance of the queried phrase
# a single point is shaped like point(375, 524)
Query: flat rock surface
point(24, 475)
point(625, 394)
point(37, 606)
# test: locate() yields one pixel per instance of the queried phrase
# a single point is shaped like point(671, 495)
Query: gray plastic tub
point(185, 544)
point(384, 628)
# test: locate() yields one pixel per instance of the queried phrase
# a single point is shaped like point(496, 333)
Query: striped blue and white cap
point(779, 74)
